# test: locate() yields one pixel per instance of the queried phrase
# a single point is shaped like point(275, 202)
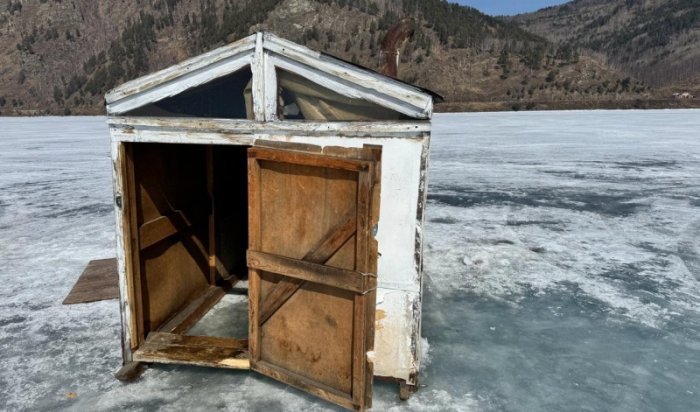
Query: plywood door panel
point(311, 271)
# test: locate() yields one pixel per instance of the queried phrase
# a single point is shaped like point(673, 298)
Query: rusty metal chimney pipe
point(392, 43)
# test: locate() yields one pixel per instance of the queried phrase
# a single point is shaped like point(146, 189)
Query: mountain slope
point(657, 41)
point(61, 56)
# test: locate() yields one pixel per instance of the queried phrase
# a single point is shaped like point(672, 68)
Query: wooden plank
point(370, 302)
point(254, 243)
point(364, 129)
point(184, 82)
point(258, 69)
point(285, 145)
point(305, 384)
point(374, 153)
point(284, 290)
point(144, 134)
point(186, 66)
point(321, 253)
point(221, 137)
point(411, 385)
point(360, 363)
point(180, 77)
point(133, 250)
point(161, 228)
point(131, 371)
point(99, 281)
point(360, 382)
point(363, 226)
point(177, 339)
point(311, 272)
point(194, 350)
point(270, 91)
point(189, 315)
point(326, 248)
point(122, 235)
point(307, 159)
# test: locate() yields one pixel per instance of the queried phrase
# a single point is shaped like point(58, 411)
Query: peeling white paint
point(392, 339)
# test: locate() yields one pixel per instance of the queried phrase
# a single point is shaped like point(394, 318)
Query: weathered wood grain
point(309, 159)
point(244, 127)
point(180, 77)
point(122, 234)
point(180, 84)
point(321, 253)
point(363, 313)
point(307, 208)
point(99, 281)
point(307, 271)
point(132, 249)
point(374, 153)
point(131, 371)
point(306, 385)
point(188, 316)
point(163, 347)
point(258, 69)
point(270, 92)
point(161, 228)
point(254, 243)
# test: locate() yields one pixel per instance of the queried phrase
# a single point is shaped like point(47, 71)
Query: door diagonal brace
point(321, 253)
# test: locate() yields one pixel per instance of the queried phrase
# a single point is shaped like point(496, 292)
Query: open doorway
point(189, 217)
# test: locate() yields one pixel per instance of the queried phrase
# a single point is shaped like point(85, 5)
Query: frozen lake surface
point(562, 271)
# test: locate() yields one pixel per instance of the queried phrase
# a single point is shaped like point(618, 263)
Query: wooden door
point(312, 259)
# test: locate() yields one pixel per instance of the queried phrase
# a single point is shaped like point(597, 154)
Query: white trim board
point(365, 129)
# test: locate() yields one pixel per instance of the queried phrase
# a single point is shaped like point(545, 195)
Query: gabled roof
point(264, 53)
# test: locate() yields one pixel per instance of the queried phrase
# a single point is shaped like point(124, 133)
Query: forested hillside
point(657, 41)
point(61, 56)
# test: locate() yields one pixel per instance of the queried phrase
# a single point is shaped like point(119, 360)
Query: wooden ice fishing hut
point(302, 173)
